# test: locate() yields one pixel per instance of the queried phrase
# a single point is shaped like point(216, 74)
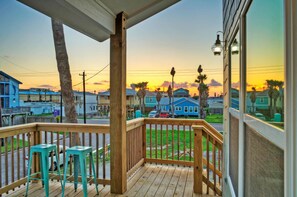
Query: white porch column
point(118, 107)
point(290, 96)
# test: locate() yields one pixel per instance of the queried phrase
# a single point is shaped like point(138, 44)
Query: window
point(261, 100)
point(195, 109)
point(265, 61)
point(190, 109)
point(176, 108)
point(186, 109)
point(235, 77)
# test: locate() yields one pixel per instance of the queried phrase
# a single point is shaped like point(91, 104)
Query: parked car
point(153, 114)
point(61, 158)
point(164, 115)
point(260, 116)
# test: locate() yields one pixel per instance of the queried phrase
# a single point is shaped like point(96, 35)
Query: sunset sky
point(180, 36)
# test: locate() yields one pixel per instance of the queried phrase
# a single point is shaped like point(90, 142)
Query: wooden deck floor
point(149, 180)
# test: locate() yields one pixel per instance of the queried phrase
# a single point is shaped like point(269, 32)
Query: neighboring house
point(215, 105)
point(150, 100)
point(37, 108)
point(91, 103)
point(39, 95)
point(9, 91)
point(183, 106)
point(181, 92)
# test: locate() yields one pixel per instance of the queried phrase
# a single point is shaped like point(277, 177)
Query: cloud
point(176, 85)
point(104, 81)
point(98, 83)
point(46, 86)
point(193, 85)
point(181, 85)
point(236, 85)
point(214, 83)
point(165, 84)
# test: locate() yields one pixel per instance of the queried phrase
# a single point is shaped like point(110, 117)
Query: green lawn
point(186, 139)
point(214, 118)
point(15, 145)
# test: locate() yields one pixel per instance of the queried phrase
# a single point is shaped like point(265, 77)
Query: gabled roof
point(10, 77)
point(96, 18)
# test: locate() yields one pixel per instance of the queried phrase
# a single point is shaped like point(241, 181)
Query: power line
point(92, 76)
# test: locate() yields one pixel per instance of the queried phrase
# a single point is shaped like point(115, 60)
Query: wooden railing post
point(144, 140)
point(198, 154)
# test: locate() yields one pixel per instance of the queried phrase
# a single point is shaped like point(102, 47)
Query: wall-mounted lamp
point(217, 48)
point(234, 47)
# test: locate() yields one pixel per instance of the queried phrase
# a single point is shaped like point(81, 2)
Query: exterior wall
point(261, 146)
point(150, 101)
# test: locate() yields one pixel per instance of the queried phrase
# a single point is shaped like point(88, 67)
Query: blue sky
point(180, 36)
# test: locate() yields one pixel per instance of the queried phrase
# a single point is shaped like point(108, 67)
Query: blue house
point(9, 91)
point(183, 106)
point(181, 92)
point(150, 100)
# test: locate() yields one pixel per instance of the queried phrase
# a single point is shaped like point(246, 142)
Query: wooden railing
point(211, 165)
point(182, 142)
point(17, 141)
point(134, 144)
point(185, 142)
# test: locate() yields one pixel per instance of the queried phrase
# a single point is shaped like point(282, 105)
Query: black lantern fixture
point(217, 48)
point(234, 47)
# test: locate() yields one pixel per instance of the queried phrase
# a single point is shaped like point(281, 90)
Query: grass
point(185, 139)
point(15, 145)
point(214, 118)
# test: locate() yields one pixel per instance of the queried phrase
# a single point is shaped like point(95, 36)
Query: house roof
point(96, 18)
point(129, 92)
point(10, 77)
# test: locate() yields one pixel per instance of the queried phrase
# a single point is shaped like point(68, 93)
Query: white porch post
point(291, 101)
point(118, 107)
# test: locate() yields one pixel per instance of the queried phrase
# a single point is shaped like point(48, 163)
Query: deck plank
point(149, 180)
point(156, 184)
point(180, 188)
point(163, 186)
point(173, 182)
point(145, 187)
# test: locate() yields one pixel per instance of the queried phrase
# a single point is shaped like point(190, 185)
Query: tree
point(142, 86)
point(253, 98)
point(65, 80)
point(270, 94)
point(203, 91)
point(158, 98)
point(169, 92)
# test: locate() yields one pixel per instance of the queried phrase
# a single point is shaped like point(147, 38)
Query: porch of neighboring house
point(156, 164)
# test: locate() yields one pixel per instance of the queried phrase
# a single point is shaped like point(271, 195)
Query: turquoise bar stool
point(80, 152)
point(43, 150)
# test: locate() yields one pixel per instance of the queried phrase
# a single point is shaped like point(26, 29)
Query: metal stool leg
point(75, 170)
point(83, 174)
point(65, 171)
point(95, 178)
point(45, 173)
point(29, 173)
point(58, 166)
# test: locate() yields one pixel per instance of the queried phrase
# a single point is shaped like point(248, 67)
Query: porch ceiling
point(96, 18)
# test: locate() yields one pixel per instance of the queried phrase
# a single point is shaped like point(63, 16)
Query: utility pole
point(84, 94)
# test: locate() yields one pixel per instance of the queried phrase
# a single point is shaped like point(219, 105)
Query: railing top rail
point(212, 132)
point(73, 127)
point(135, 123)
point(17, 129)
point(173, 121)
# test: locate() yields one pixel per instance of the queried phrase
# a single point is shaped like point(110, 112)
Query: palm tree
point(158, 98)
point(275, 96)
point(169, 92)
point(142, 86)
point(203, 91)
point(270, 94)
point(253, 98)
point(65, 80)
